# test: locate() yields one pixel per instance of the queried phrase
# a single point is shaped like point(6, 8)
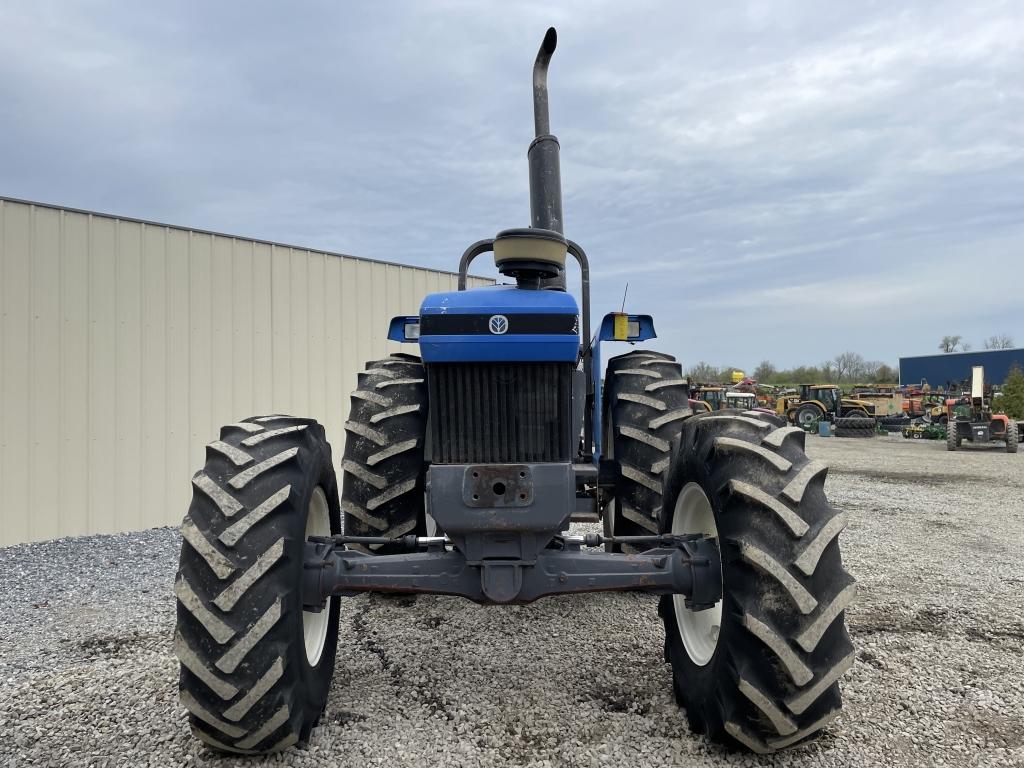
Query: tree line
point(847, 368)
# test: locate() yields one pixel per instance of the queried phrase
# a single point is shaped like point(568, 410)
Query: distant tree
point(847, 366)
point(949, 343)
point(1012, 401)
point(804, 374)
point(765, 371)
point(725, 374)
point(999, 341)
point(702, 372)
point(869, 371)
point(885, 374)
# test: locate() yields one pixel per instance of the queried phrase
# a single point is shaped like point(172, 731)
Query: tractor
point(744, 401)
point(463, 469)
point(718, 398)
point(708, 398)
point(821, 402)
point(971, 418)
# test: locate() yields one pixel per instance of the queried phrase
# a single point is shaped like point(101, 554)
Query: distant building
point(954, 367)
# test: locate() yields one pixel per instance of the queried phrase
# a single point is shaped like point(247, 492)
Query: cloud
point(827, 174)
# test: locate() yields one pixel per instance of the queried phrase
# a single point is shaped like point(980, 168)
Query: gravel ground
point(936, 539)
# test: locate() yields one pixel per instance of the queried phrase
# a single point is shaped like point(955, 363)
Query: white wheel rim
point(428, 519)
point(699, 630)
point(314, 623)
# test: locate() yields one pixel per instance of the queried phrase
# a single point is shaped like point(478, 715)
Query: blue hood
point(499, 323)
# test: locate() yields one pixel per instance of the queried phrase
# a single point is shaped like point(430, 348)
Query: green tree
point(1012, 401)
point(765, 371)
point(702, 373)
point(725, 374)
point(885, 374)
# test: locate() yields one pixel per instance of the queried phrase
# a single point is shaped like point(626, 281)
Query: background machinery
point(822, 402)
point(744, 401)
point(462, 470)
point(971, 418)
point(708, 398)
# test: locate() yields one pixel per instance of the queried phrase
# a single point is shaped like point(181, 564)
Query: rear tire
point(894, 423)
point(768, 678)
point(646, 397)
point(855, 426)
point(255, 667)
point(383, 469)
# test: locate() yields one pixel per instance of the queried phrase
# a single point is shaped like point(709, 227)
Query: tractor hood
point(499, 323)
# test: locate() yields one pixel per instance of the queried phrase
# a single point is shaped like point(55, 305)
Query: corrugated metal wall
point(124, 346)
point(954, 368)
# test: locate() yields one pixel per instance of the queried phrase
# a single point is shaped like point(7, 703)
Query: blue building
point(954, 367)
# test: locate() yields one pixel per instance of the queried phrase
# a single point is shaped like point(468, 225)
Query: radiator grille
point(500, 412)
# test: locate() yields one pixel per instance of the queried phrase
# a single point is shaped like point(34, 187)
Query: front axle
point(685, 565)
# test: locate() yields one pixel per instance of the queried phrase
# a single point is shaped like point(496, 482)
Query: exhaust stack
point(535, 256)
point(545, 176)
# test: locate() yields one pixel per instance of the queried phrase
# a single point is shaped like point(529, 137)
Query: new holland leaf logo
point(498, 324)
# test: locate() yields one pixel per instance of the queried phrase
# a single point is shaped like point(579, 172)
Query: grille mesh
point(500, 412)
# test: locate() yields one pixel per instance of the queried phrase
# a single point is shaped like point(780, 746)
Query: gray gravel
point(937, 540)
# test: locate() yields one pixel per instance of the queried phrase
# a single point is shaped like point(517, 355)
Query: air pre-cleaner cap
point(529, 250)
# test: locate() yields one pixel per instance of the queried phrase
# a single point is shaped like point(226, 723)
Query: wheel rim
point(805, 417)
point(430, 524)
point(314, 623)
point(699, 630)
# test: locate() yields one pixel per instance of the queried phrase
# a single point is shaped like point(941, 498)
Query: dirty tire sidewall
point(783, 638)
point(245, 677)
point(384, 465)
point(645, 399)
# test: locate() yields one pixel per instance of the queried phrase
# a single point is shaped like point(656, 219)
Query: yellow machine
point(708, 399)
point(816, 402)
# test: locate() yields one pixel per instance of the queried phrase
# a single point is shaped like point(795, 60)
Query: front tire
point(806, 415)
point(767, 677)
point(255, 667)
point(952, 435)
point(1011, 437)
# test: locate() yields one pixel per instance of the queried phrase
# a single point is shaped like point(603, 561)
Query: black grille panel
point(496, 413)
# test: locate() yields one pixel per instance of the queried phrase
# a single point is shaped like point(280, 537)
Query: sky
point(783, 181)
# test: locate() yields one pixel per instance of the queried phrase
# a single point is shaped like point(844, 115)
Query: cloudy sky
point(778, 180)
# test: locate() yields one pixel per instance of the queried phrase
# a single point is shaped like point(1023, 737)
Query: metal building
point(125, 344)
point(955, 367)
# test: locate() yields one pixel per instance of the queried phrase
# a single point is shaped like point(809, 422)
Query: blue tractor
point(464, 467)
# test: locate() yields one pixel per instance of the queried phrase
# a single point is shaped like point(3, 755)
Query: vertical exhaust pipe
point(545, 175)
